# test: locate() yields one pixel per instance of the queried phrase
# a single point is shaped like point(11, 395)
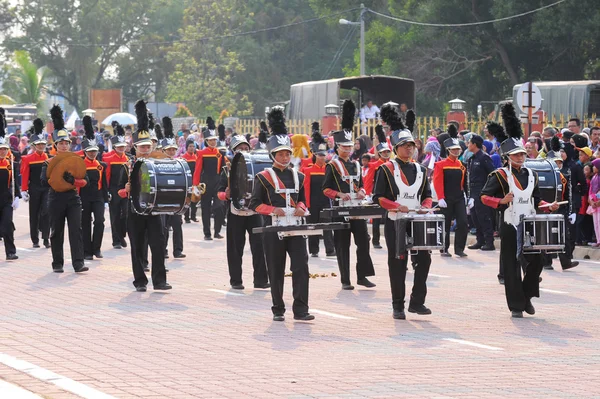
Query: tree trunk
point(512, 73)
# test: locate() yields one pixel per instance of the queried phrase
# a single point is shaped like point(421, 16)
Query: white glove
point(15, 203)
point(442, 203)
point(106, 205)
point(572, 218)
point(25, 196)
point(471, 203)
point(109, 197)
point(196, 191)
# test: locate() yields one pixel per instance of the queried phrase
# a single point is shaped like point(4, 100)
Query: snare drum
point(423, 232)
point(543, 233)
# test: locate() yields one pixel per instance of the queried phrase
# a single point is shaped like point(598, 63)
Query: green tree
point(25, 82)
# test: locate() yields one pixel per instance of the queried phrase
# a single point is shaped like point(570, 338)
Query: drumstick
point(558, 203)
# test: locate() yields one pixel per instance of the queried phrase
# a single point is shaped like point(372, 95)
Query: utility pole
point(363, 11)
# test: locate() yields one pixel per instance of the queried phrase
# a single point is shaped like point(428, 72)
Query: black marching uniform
point(9, 195)
point(479, 166)
point(93, 197)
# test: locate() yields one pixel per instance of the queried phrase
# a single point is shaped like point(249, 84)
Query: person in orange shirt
point(191, 157)
point(9, 193)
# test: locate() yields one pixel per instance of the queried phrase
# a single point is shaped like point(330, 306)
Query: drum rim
point(137, 208)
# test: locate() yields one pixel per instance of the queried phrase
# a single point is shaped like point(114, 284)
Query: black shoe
point(314, 255)
point(475, 246)
point(47, 243)
point(461, 254)
point(570, 266)
point(366, 283)
point(516, 314)
point(207, 238)
point(188, 221)
point(278, 317)
point(58, 270)
point(146, 268)
point(218, 236)
point(488, 247)
point(98, 255)
point(399, 315)
point(166, 270)
point(501, 280)
point(377, 246)
point(166, 256)
point(124, 243)
point(529, 309)
point(540, 279)
point(347, 287)
point(12, 257)
point(141, 288)
point(162, 287)
point(117, 246)
point(81, 269)
point(88, 257)
point(421, 309)
point(446, 254)
point(263, 286)
point(237, 286)
point(304, 317)
point(195, 220)
point(548, 267)
point(330, 254)
point(179, 256)
point(36, 245)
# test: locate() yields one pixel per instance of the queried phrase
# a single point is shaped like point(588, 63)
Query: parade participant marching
point(515, 191)
point(208, 169)
point(169, 147)
point(64, 204)
point(480, 165)
point(343, 181)
point(402, 185)
point(268, 200)
point(9, 193)
point(117, 165)
point(140, 227)
point(241, 221)
point(32, 189)
point(315, 199)
point(191, 157)
point(93, 196)
point(449, 177)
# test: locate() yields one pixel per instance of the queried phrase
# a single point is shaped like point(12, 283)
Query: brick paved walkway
point(200, 340)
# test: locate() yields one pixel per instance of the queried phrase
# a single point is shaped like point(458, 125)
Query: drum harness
point(289, 219)
point(350, 180)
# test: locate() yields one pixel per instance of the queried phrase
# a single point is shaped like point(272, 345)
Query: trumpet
point(201, 188)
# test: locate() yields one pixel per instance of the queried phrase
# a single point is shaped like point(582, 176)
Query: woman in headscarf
point(24, 145)
point(300, 149)
point(360, 148)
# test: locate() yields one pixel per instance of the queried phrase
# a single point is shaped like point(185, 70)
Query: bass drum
point(161, 186)
point(244, 168)
point(549, 179)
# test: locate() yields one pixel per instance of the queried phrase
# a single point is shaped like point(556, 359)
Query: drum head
point(142, 193)
point(238, 181)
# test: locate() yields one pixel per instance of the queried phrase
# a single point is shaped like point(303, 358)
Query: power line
point(340, 51)
point(468, 23)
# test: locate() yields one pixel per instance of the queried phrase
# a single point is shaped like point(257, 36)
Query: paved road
point(92, 336)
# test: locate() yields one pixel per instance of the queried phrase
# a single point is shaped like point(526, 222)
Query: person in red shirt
point(449, 183)
point(191, 157)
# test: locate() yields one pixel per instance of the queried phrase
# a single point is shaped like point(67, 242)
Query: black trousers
point(397, 270)
point(118, 217)
point(275, 254)
point(65, 206)
point(210, 204)
point(364, 264)
point(585, 228)
point(313, 241)
point(144, 230)
point(518, 288)
point(456, 210)
point(376, 231)
point(191, 212)
point(92, 239)
point(38, 214)
point(7, 228)
point(237, 228)
point(482, 218)
point(175, 222)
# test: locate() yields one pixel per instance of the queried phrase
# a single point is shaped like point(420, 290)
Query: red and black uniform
point(332, 185)
point(93, 197)
point(191, 159)
point(449, 178)
point(264, 200)
point(117, 166)
point(369, 182)
point(31, 168)
point(7, 195)
point(208, 169)
point(316, 202)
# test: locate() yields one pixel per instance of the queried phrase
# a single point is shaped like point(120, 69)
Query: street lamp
point(343, 21)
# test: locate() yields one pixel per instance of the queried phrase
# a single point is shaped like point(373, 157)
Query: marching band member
point(268, 201)
point(117, 164)
point(32, 190)
point(208, 169)
point(191, 158)
point(343, 177)
point(515, 191)
point(93, 196)
point(449, 177)
point(169, 147)
point(402, 185)
point(9, 193)
point(240, 222)
point(64, 205)
point(142, 227)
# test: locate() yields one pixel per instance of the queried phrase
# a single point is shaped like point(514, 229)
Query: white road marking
point(330, 260)
point(475, 344)
point(432, 275)
point(334, 315)
point(225, 292)
point(42, 374)
point(552, 291)
point(27, 249)
point(8, 390)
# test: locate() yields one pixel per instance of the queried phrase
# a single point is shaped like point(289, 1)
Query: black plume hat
point(89, 142)
point(276, 120)
point(118, 139)
point(514, 131)
point(142, 134)
point(38, 129)
point(60, 133)
point(348, 115)
point(383, 144)
point(169, 140)
point(4, 143)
